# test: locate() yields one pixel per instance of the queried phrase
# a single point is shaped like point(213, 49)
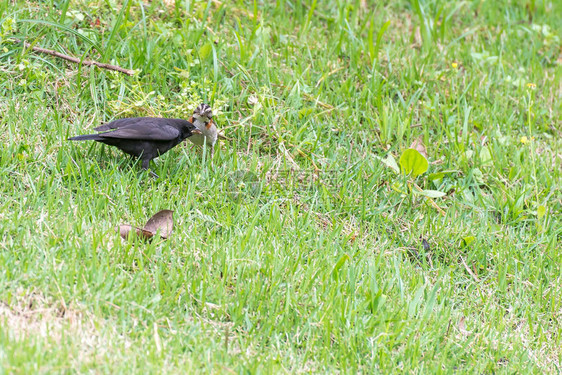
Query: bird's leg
point(145, 165)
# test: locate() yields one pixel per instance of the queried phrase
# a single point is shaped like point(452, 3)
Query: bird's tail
point(85, 137)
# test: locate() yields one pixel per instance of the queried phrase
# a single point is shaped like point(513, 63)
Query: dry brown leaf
point(125, 229)
point(419, 146)
point(163, 221)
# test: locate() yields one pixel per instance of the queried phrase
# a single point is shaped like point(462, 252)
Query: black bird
point(143, 137)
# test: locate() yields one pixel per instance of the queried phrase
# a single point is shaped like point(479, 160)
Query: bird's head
point(203, 113)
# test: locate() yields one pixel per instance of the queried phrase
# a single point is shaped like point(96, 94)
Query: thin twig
point(469, 270)
point(75, 59)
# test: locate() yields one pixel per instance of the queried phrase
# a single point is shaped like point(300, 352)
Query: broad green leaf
point(436, 176)
point(440, 175)
point(413, 163)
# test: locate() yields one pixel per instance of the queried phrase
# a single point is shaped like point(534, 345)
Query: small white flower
point(252, 100)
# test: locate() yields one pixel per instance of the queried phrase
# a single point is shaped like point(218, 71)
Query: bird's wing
point(144, 130)
point(122, 122)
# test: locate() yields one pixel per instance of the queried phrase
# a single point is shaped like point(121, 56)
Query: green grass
point(303, 274)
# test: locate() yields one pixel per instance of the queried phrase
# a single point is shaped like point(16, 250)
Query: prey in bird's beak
point(206, 131)
point(203, 112)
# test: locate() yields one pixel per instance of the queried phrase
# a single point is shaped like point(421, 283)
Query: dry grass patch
point(30, 316)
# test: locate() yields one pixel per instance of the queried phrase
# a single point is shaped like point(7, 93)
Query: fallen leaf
point(125, 229)
point(163, 220)
point(419, 146)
